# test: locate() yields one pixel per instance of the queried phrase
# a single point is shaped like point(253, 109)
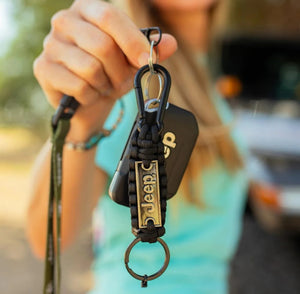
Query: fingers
point(166, 47)
point(93, 51)
point(79, 62)
point(97, 44)
point(123, 31)
point(116, 24)
point(56, 79)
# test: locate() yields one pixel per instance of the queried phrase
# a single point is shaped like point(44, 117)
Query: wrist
point(86, 145)
point(81, 132)
point(83, 138)
point(87, 122)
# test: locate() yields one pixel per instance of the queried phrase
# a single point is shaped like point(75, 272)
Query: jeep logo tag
point(148, 197)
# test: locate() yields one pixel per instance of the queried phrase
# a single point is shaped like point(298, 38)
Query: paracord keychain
point(149, 173)
point(60, 127)
point(147, 179)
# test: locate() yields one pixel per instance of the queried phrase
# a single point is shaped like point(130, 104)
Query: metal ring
point(149, 78)
point(149, 105)
point(150, 59)
point(157, 274)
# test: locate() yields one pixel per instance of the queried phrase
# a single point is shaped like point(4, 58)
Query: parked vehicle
point(273, 164)
point(261, 71)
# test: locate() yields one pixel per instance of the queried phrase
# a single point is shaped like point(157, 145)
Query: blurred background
point(256, 67)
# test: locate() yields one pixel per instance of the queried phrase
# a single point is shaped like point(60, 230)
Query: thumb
point(166, 47)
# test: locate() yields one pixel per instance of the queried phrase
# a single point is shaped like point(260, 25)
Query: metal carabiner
point(163, 97)
point(148, 31)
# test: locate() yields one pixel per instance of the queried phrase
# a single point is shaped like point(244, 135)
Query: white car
point(274, 163)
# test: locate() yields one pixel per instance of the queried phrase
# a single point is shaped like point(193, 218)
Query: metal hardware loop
point(148, 31)
point(146, 278)
point(66, 109)
point(149, 78)
point(163, 97)
point(150, 59)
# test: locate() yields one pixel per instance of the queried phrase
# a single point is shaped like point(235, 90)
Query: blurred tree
point(21, 99)
point(272, 17)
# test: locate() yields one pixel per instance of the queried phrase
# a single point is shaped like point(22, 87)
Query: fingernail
point(143, 59)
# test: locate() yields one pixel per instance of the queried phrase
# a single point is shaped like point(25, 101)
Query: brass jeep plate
point(148, 197)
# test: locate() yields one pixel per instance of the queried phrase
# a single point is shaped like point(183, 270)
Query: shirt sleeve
point(109, 149)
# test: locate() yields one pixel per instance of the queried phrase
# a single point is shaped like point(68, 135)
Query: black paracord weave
point(146, 145)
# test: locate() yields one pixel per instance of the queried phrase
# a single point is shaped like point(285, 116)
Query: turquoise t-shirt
point(201, 241)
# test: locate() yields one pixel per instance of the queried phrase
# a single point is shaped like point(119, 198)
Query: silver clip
point(149, 78)
point(150, 59)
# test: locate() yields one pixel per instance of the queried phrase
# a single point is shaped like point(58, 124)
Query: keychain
point(147, 179)
point(149, 172)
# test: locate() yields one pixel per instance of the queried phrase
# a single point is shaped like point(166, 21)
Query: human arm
point(83, 182)
point(91, 53)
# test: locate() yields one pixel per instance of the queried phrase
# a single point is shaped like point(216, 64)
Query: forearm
point(78, 197)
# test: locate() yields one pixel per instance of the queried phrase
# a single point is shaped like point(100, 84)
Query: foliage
point(275, 17)
point(21, 99)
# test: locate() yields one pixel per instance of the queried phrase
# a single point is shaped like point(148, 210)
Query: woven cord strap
point(146, 145)
point(52, 261)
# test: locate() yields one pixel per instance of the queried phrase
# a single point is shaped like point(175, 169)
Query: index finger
point(119, 26)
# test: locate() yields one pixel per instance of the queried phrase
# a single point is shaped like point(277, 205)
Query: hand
point(92, 53)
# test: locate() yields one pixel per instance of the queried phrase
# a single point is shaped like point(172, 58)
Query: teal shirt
point(202, 241)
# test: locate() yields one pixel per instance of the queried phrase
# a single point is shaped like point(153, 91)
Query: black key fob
point(179, 133)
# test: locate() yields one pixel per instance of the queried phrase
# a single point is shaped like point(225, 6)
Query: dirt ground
point(22, 273)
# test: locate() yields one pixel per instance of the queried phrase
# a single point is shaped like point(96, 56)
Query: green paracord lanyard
point(60, 129)
point(52, 267)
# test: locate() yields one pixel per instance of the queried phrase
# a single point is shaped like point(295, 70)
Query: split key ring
point(146, 278)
